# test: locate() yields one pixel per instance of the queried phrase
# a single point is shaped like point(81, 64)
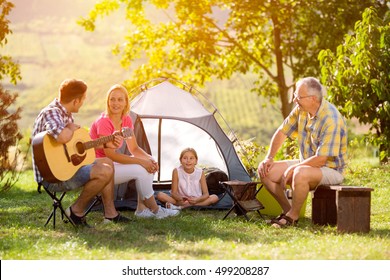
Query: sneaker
point(146, 213)
point(165, 212)
point(76, 220)
point(118, 219)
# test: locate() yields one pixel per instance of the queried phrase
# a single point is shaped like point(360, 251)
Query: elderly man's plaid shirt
point(323, 135)
point(52, 119)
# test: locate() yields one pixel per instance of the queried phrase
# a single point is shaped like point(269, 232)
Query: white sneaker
point(165, 212)
point(146, 213)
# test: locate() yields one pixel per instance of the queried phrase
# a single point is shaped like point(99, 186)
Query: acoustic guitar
point(59, 162)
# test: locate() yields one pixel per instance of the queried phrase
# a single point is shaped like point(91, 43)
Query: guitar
point(59, 162)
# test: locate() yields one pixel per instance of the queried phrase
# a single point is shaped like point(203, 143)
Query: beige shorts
point(329, 175)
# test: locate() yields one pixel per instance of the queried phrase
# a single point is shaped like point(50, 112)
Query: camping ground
point(196, 235)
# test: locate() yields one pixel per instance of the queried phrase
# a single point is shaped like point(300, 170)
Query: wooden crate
point(348, 207)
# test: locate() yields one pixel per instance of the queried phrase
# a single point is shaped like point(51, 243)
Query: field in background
point(50, 47)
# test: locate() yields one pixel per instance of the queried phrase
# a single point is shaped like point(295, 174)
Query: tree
point(8, 68)
point(9, 132)
point(358, 77)
point(278, 40)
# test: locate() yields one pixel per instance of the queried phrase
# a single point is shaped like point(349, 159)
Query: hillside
point(50, 46)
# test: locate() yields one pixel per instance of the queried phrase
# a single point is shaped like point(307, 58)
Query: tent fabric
point(168, 101)
point(168, 119)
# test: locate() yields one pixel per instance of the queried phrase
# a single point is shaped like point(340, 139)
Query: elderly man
point(322, 140)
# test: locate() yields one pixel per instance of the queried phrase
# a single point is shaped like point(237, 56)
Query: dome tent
point(170, 116)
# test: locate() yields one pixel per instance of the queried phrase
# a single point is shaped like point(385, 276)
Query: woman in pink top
point(189, 186)
point(139, 165)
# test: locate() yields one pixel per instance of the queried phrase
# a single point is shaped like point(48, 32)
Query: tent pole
point(159, 147)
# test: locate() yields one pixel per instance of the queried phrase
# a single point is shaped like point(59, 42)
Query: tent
point(169, 116)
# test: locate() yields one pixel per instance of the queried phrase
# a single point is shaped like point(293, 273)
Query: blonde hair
point(126, 95)
point(191, 150)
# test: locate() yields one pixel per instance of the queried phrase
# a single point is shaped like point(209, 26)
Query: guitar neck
point(100, 141)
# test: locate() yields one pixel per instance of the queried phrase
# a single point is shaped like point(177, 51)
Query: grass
point(199, 235)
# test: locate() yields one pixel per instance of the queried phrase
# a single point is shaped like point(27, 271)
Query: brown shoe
point(275, 220)
point(288, 222)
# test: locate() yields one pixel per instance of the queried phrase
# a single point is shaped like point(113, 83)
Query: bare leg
point(101, 182)
point(272, 184)
point(305, 178)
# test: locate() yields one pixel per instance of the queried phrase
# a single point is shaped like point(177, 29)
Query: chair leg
point(57, 203)
point(52, 216)
point(258, 211)
point(241, 211)
point(243, 202)
point(98, 199)
point(227, 214)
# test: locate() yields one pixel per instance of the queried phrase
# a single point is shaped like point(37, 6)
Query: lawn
point(193, 235)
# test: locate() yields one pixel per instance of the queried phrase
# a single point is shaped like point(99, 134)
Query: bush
point(9, 137)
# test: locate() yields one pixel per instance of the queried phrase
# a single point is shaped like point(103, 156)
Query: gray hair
point(314, 87)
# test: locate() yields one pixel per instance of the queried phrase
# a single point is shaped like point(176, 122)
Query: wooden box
point(348, 207)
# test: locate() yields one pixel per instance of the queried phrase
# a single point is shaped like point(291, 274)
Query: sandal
point(289, 222)
point(169, 205)
point(275, 220)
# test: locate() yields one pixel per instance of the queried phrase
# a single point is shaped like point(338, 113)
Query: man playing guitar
point(97, 178)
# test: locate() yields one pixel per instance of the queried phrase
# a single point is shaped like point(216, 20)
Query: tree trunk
point(280, 77)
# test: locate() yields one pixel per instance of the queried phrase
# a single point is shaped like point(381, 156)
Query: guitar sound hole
point(80, 148)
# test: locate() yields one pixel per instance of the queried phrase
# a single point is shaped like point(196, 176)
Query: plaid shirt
point(53, 119)
point(325, 134)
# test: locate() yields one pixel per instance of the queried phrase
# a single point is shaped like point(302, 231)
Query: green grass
point(199, 235)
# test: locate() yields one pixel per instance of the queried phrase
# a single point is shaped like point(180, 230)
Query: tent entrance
point(167, 138)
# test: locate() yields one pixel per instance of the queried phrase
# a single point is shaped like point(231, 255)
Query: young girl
point(189, 186)
point(139, 165)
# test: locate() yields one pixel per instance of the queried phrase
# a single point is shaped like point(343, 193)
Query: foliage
point(288, 151)
point(198, 40)
point(193, 235)
point(249, 153)
point(7, 66)
point(357, 75)
point(9, 132)
point(9, 136)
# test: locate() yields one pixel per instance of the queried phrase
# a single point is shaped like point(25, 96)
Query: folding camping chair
point(244, 198)
point(57, 198)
